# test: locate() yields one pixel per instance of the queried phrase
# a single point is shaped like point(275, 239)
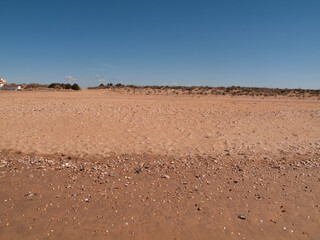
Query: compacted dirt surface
point(96, 164)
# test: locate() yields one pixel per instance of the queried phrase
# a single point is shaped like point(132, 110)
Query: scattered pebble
point(165, 176)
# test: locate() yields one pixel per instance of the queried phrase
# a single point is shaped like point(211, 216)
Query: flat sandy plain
point(96, 164)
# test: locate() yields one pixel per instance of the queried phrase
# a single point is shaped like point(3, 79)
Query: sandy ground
point(95, 164)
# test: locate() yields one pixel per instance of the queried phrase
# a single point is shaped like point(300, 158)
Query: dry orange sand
point(95, 123)
point(102, 165)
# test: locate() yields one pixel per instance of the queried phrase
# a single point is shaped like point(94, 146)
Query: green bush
point(75, 87)
point(64, 86)
point(53, 85)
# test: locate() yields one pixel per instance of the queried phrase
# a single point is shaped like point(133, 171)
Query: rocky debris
point(30, 194)
point(166, 176)
point(198, 207)
point(3, 163)
point(114, 187)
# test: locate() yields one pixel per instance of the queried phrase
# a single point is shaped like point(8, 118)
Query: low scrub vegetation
point(205, 90)
point(33, 86)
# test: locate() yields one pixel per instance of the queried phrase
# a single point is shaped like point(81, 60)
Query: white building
point(2, 82)
point(4, 86)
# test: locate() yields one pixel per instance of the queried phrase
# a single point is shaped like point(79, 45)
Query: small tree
point(75, 87)
point(52, 85)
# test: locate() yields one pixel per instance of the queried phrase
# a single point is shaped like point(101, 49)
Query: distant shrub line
point(197, 90)
point(206, 90)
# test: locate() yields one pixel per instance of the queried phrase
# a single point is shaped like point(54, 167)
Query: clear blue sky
point(262, 43)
